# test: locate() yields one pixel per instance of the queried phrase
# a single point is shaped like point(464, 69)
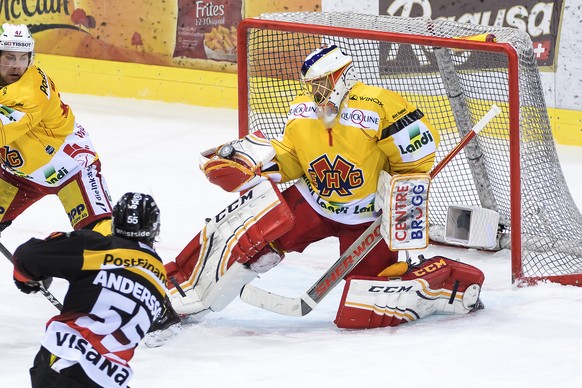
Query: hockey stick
point(46, 293)
point(304, 304)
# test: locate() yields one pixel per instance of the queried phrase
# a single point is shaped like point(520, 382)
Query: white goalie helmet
point(16, 37)
point(327, 75)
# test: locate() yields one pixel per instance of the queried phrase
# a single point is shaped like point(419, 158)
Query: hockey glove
point(33, 286)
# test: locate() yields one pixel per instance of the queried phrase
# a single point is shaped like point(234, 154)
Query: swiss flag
point(541, 49)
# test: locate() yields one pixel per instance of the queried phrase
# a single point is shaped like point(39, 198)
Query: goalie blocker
point(403, 200)
point(437, 285)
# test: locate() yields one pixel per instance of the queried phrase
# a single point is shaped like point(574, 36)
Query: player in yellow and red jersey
point(43, 149)
point(340, 135)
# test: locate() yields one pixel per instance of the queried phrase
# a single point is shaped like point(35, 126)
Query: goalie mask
point(136, 217)
point(327, 75)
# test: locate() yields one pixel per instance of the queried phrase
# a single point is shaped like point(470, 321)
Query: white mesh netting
point(454, 88)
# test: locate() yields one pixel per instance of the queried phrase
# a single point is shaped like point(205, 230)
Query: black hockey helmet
point(136, 217)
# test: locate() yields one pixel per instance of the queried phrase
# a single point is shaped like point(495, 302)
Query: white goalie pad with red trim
point(237, 166)
point(404, 203)
point(210, 272)
point(438, 285)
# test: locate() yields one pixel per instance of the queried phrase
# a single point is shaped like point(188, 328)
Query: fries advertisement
point(220, 43)
point(207, 29)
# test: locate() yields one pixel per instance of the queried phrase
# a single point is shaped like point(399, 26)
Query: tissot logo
point(341, 176)
point(15, 46)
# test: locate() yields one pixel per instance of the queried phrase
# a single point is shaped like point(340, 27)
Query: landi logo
point(52, 176)
point(340, 176)
point(541, 20)
point(417, 140)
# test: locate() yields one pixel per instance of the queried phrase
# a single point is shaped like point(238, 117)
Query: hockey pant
point(314, 227)
point(83, 194)
point(42, 374)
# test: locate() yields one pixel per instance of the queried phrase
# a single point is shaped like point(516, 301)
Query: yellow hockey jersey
point(38, 136)
point(338, 168)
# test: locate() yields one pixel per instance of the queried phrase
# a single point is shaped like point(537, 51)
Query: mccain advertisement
point(182, 33)
point(541, 20)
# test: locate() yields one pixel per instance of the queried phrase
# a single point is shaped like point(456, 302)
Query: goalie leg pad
point(459, 291)
point(437, 285)
point(370, 302)
point(212, 269)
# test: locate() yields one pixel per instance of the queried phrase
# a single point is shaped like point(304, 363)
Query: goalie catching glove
point(438, 285)
point(237, 166)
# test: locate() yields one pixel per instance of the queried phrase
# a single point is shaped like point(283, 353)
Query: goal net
point(511, 167)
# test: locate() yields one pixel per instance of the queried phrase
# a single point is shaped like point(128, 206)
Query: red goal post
point(511, 168)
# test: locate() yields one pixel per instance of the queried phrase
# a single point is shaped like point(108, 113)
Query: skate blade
point(158, 338)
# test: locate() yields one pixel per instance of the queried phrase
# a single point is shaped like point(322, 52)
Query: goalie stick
point(46, 293)
point(304, 304)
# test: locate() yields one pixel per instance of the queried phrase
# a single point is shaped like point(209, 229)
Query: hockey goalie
point(356, 153)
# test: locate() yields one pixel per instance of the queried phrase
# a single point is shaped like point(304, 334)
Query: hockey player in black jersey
point(116, 293)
